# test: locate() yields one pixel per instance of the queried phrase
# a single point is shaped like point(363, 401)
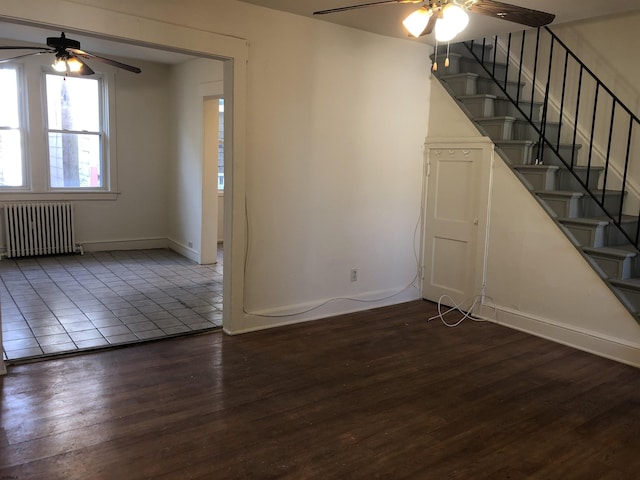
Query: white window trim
point(109, 189)
point(23, 127)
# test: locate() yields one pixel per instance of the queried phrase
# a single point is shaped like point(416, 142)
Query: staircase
point(556, 139)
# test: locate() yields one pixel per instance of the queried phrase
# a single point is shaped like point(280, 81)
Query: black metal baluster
point(545, 107)
point(593, 128)
point(626, 172)
point(520, 69)
point(535, 70)
point(608, 157)
point(495, 53)
point(506, 68)
point(575, 127)
point(564, 88)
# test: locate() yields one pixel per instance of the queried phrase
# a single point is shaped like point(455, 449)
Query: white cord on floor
point(457, 307)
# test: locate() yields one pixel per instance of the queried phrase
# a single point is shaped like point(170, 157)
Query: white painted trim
point(73, 17)
point(596, 343)
point(184, 250)
point(128, 244)
point(486, 145)
point(281, 316)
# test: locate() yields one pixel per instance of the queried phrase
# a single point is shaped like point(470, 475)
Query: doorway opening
point(230, 50)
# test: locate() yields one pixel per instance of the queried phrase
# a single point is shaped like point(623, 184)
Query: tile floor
point(62, 304)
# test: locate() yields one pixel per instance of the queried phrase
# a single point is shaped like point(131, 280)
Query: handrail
point(561, 85)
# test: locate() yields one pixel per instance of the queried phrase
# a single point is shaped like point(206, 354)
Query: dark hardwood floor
point(378, 394)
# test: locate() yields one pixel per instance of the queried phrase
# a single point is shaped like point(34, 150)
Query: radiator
point(38, 229)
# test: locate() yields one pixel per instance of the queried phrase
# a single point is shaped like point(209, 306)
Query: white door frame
point(461, 146)
point(234, 53)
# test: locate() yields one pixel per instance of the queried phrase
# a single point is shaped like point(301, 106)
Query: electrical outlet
point(354, 274)
point(190, 244)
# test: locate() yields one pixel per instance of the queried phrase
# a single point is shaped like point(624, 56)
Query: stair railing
point(546, 71)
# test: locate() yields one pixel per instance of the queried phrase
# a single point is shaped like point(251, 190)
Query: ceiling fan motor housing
point(62, 43)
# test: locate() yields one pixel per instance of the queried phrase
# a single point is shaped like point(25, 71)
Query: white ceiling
point(380, 19)
point(387, 19)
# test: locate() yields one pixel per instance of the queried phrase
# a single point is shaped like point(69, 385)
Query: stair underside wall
point(536, 278)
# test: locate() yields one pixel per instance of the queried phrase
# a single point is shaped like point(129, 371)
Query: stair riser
point(488, 85)
point(470, 65)
point(505, 107)
point(620, 269)
point(462, 85)
point(587, 237)
point(479, 107)
point(630, 297)
point(524, 131)
point(498, 129)
point(563, 207)
point(527, 153)
point(630, 228)
point(517, 154)
point(585, 206)
point(566, 152)
point(590, 208)
point(464, 51)
point(567, 181)
point(543, 179)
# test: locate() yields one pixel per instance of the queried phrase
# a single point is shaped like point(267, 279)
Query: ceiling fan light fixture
point(74, 65)
point(417, 21)
point(445, 31)
point(59, 64)
point(454, 20)
point(457, 15)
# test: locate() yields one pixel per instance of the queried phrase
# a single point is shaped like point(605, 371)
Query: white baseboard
point(130, 244)
point(281, 316)
point(184, 250)
point(588, 341)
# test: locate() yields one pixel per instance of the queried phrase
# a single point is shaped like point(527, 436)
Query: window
point(11, 135)
point(221, 144)
point(74, 130)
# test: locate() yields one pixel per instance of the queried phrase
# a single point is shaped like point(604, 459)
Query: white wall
point(335, 124)
point(609, 46)
point(191, 82)
point(136, 216)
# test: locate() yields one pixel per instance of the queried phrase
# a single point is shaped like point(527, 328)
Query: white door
point(456, 213)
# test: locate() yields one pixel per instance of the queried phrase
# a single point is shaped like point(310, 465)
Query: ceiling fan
point(449, 17)
point(68, 56)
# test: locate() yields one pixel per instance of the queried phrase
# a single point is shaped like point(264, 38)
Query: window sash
point(12, 175)
point(85, 171)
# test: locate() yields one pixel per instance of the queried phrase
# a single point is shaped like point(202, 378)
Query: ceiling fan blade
point(432, 23)
point(11, 47)
point(24, 55)
point(86, 69)
point(108, 61)
point(513, 13)
point(363, 5)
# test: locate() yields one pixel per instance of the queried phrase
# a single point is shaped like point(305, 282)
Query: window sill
point(55, 196)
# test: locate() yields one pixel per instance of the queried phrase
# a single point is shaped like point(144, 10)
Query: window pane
point(221, 144)
point(73, 103)
point(11, 174)
point(74, 160)
point(10, 159)
point(9, 116)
